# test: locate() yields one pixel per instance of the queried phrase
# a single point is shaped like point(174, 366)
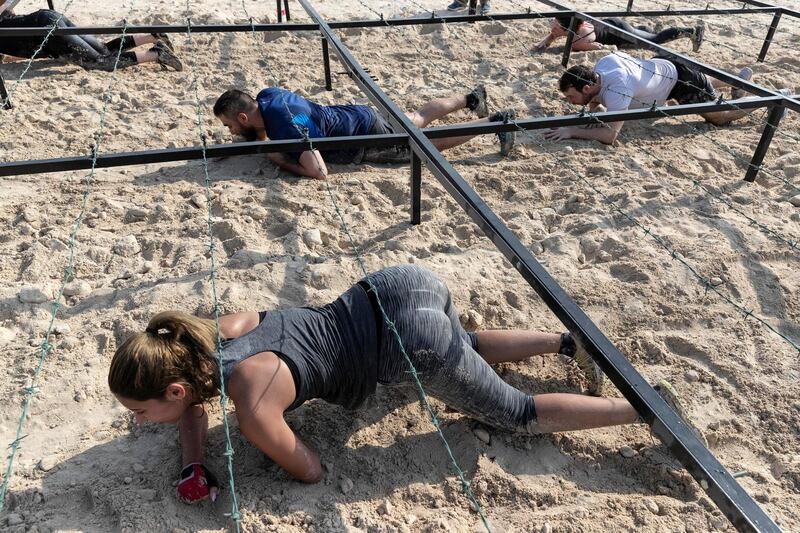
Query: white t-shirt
point(627, 82)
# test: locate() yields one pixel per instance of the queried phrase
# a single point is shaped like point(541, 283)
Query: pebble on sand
point(346, 485)
point(627, 452)
point(312, 237)
point(482, 435)
point(32, 295)
point(77, 288)
point(127, 246)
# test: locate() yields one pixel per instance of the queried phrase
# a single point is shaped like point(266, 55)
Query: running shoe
point(507, 138)
point(697, 38)
point(486, 8)
point(457, 5)
point(164, 38)
point(481, 108)
point(746, 73)
point(668, 393)
point(590, 369)
point(165, 56)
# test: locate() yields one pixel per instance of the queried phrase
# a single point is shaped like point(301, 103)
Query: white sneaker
point(746, 73)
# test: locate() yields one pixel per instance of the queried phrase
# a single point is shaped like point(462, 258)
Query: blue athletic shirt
point(321, 121)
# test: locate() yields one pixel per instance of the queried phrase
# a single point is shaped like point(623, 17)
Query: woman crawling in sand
point(274, 361)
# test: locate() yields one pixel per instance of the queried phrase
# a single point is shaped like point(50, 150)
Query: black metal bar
point(574, 22)
point(17, 168)
point(4, 93)
point(790, 12)
point(472, 7)
point(730, 79)
point(770, 34)
point(540, 123)
point(326, 64)
point(722, 487)
point(486, 128)
point(372, 23)
point(773, 120)
point(50, 4)
point(288, 14)
point(416, 189)
point(630, 6)
point(277, 8)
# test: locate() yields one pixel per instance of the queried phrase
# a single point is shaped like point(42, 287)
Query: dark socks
point(567, 344)
point(498, 116)
point(127, 42)
point(472, 101)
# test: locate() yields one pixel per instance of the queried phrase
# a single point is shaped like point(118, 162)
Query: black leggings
point(605, 37)
point(83, 50)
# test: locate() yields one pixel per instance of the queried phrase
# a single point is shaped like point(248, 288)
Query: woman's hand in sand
point(197, 484)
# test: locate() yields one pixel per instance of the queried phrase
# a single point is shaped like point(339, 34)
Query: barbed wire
point(304, 134)
point(28, 63)
point(704, 280)
point(32, 389)
point(212, 249)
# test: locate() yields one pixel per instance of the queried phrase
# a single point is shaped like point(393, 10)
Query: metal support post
point(630, 6)
point(4, 93)
point(286, 7)
point(473, 7)
point(770, 34)
point(416, 188)
point(573, 27)
point(278, 9)
point(326, 63)
point(50, 4)
point(774, 118)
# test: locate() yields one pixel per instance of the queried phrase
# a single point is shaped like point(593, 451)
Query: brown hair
point(175, 348)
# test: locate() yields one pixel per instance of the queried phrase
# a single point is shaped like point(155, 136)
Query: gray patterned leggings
point(444, 354)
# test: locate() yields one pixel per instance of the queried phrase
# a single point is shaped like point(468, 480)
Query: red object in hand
point(197, 483)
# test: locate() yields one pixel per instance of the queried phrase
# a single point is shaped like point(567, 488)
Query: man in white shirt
point(619, 81)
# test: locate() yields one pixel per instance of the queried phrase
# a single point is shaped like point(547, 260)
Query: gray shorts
point(388, 154)
point(443, 353)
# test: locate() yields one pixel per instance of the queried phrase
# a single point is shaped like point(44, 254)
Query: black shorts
point(692, 87)
point(388, 154)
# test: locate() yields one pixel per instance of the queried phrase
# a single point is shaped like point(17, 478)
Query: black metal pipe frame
point(732, 499)
point(366, 23)
point(721, 75)
point(770, 34)
point(4, 93)
point(774, 118)
point(791, 12)
point(571, 32)
point(13, 168)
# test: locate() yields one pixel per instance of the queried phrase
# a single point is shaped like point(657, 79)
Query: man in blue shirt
point(278, 114)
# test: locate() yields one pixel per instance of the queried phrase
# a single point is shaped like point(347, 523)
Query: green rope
point(234, 514)
point(412, 370)
point(69, 271)
point(35, 54)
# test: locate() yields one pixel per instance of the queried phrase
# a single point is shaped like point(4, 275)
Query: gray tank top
point(331, 351)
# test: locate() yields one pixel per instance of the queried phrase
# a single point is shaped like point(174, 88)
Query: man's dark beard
point(249, 134)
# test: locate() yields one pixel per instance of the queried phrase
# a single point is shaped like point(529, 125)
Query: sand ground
point(84, 466)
